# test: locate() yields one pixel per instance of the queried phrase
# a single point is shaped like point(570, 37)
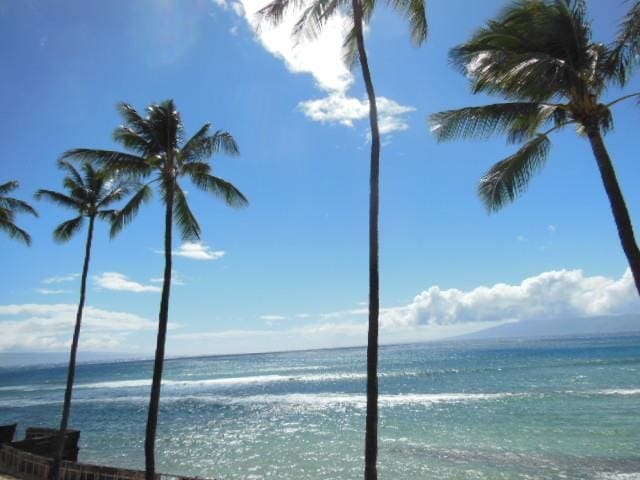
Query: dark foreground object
point(32, 458)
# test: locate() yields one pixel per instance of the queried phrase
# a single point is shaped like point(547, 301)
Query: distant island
point(608, 324)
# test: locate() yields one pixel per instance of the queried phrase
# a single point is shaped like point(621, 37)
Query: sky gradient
point(290, 271)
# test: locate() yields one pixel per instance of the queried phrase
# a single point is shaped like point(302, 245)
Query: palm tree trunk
point(154, 402)
point(371, 423)
point(618, 205)
point(71, 372)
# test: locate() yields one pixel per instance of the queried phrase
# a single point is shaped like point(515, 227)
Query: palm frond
point(112, 161)
point(415, 12)
point(60, 199)
point(14, 231)
point(624, 53)
point(17, 206)
point(139, 125)
point(129, 211)
point(310, 23)
point(534, 50)
point(73, 173)
point(106, 215)
point(132, 140)
point(187, 222)
point(115, 194)
point(350, 49)
point(224, 142)
point(488, 120)
point(509, 178)
point(9, 186)
point(350, 44)
point(201, 147)
point(68, 229)
point(275, 11)
point(196, 168)
point(220, 188)
point(193, 148)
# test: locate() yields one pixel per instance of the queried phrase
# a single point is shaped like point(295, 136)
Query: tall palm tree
point(157, 150)
point(89, 195)
point(313, 17)
point(539, 56)
point(8, 208)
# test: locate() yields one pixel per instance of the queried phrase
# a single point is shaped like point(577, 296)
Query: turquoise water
point(553, 409)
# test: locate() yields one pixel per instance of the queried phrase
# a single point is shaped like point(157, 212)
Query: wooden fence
point(28, 466)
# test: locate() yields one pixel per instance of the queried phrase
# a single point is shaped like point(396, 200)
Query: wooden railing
point(28, 466)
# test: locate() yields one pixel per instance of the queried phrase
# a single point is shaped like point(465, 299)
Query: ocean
point(563, 408)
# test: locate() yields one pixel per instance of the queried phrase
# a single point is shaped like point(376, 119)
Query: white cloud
point(322, 57)
point(48, 291)
point(551, 228)
point(50, 326)
point(555, 294)
point(61, 279)
point(338, 108)
point(234, 30)
point(120, 282)
point(198, 251)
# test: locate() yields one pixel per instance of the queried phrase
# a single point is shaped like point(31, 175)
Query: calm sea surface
point(552, 409)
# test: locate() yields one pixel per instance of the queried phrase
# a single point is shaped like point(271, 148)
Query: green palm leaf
point(220, 188)
point(510, 177)
point(415, 12)
point(14, 231)
point(68, 229)
point(17, 206)
point(8, 187)
point(60, 199)
point(9, 207)
point(520, 119)
point(111, 160)
point(130, 210)
point(189, 227)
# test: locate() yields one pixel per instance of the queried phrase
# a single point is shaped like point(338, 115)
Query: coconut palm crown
point(540, 57)
point(159, 155)
point(9, 207)
point(90, 195)
point(315, 14)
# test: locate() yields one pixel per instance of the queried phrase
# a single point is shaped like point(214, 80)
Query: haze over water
point(551, 408)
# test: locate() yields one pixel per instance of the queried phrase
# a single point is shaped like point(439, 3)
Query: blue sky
point(290, 271)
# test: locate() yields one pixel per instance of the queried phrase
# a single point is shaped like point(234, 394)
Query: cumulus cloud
point(322, 57)
point(555, 294)
point(120, 282)
point(50, 326)
point(198, 251)
point(339, 108)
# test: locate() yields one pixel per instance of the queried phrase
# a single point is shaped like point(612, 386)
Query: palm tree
point(311, 21)
point(157, 149)
point(314, 16)
point(539, 56)
point(8, 208)
point(89, 196)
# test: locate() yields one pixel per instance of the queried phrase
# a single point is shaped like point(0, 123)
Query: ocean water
point(564, 408)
